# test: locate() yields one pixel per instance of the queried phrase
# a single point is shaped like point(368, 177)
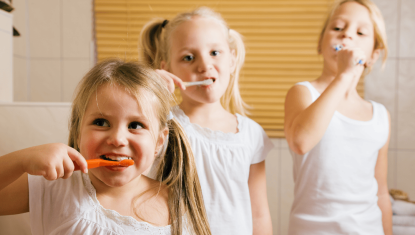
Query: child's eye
point(215, 53)
point(101, 122)
point(188, 58)
point(337, 28)
point(135, 125)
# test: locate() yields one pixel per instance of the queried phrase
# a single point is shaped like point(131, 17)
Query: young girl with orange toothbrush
point(230, 149)
point(339, 141)
point(121, 110)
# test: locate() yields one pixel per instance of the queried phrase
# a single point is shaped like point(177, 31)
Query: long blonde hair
point(155, 45)
point(377, 20)
point(177, 169)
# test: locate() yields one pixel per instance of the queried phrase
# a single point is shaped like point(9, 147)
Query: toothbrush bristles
point(207, 82)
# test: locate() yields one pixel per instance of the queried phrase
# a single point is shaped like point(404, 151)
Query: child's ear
point(374, 57)
point(233, 60)
point(163, 65)
point(161, 139)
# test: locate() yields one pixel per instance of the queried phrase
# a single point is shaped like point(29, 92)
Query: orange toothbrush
point(93, 163)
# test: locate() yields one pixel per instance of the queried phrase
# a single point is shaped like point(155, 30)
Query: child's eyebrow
point(103, 114)
point(344, 20)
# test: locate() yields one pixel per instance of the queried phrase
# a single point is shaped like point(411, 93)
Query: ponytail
point(232, 100)
point(177, 170)
point(152, 43)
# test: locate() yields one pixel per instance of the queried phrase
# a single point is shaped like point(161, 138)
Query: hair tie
point(170, 116)
point(164, 23)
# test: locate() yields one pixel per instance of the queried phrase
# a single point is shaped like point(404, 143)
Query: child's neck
point(210, 115)
point(136, 194)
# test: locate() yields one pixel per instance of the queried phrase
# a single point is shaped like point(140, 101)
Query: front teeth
point(114, 158)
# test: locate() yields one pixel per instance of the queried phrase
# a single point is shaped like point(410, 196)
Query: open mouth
point(113, 158)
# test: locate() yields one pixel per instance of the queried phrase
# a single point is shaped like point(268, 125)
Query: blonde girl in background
point(121, 110)
point(229, 148)
point(339, 141)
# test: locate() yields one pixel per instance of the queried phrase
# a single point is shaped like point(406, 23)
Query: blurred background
point(61, 40)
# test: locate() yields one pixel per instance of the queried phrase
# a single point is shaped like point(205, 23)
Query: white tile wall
point(392, 169)
point(44, 28)
point(15, 224)
point(20, 78)
point(76, 28)
point(6, 55)
point(406, 173)
point(45, 80)
point(389, 9)
point(407, 29)
point(73, 72)
point(52, 32)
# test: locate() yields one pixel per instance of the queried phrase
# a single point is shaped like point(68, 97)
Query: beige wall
point(54, 52)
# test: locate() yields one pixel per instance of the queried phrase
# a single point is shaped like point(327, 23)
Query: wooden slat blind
point(280, 38)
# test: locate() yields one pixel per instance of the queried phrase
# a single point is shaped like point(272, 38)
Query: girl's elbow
point(298, 145)
point(300, 148)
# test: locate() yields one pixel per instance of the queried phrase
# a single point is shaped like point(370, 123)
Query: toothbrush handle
point(92, 163)
point(187, 84)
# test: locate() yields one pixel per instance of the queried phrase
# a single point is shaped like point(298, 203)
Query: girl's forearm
point(262, 225)
point(11, 168)
point(309, 126)
point(386, 208)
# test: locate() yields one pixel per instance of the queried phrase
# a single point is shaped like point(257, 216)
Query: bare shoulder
point(298, 97)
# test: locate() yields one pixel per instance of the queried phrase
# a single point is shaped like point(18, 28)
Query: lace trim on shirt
point(115, 216)
point(206, 132)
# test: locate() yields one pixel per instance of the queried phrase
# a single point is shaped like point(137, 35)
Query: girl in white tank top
point(339, 141)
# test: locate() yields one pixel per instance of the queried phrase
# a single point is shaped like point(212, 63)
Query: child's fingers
point(164, 74)
point(68, 168)
point(50, 174)
point(78, 159)
point(171, 80)
point(178, 81)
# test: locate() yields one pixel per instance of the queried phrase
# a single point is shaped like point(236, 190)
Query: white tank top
point(335, 187)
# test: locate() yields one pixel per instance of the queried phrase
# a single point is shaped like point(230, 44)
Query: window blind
point(280, 38)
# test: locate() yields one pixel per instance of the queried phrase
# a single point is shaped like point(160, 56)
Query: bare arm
point(52, 161)
point(306, 122)
point(381, 173)
point(261, 218)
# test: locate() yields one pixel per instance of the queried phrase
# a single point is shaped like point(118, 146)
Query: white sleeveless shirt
point(335, 186)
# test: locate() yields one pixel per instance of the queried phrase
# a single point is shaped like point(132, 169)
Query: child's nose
point(204, 64)
point(117, 138)
point(347, 33)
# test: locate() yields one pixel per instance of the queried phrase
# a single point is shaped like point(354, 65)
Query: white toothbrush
point(340, 47)
point(206, 82)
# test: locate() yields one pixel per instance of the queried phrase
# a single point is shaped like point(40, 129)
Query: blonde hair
point(177, 169)
point(155, 45)
point(377, 20)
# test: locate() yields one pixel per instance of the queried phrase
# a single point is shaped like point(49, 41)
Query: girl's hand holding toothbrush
point(52, 161)
point(171, 80)
point(350, 61)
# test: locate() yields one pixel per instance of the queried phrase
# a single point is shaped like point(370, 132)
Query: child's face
point(200, 51)
point(350, 26)
point(114, 127)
